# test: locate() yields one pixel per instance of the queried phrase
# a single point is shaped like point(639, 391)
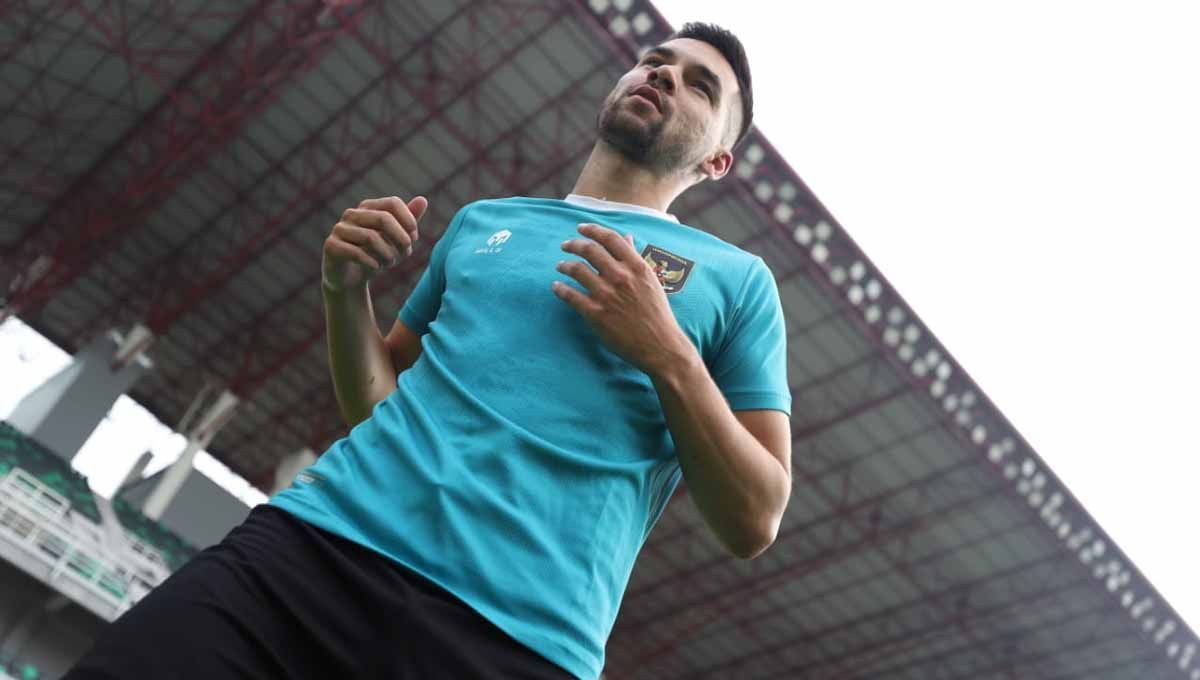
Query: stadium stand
point(17, 450)
point(49, 514)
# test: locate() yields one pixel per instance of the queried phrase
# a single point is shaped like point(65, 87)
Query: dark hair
point(731, 48)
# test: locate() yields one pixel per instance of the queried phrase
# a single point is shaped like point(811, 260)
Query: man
point(560, 365)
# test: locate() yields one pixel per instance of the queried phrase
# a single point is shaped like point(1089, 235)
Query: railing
point(34, 516)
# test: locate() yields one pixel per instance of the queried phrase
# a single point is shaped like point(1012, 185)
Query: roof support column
point(63, 412)
point(198, 437)
point(136, 471)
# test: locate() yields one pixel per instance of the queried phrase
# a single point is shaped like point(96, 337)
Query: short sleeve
point(421, 307)
point(751, 366)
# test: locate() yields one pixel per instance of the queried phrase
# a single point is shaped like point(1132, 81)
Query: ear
point(717, 165)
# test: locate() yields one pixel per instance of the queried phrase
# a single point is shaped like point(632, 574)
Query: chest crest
point(672, 270)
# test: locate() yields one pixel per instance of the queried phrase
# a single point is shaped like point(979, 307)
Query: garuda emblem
point(671, 269)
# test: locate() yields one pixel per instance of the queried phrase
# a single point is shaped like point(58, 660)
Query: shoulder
point(737, 264)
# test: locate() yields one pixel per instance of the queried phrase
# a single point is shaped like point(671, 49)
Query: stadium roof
point(178, 164)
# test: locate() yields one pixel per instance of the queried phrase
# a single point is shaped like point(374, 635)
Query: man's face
point(673, 108)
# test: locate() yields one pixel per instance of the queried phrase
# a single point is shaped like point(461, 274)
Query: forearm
point(359, 361)
point(739, 487)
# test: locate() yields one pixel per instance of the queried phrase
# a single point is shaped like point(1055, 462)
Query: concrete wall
point(202, 512)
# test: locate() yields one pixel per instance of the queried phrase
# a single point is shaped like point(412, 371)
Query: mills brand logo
point(495, 241)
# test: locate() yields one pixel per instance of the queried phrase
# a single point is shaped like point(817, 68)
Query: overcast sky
point(1026, 175)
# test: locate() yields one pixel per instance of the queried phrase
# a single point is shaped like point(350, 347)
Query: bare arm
point(737, 464)
point(363, 363)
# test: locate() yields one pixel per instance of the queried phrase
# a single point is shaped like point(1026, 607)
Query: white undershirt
point(601, 204)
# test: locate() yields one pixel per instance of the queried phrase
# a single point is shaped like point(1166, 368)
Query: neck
point(612, 177)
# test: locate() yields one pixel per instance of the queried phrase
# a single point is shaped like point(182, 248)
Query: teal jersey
point(520, 464)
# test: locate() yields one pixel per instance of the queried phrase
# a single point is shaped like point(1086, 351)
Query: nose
point(662, 77)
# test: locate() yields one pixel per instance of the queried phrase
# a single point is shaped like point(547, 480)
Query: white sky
point(1024, 173)
point(27, 359)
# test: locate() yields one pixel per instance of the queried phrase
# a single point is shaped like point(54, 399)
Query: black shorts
point(280, 598)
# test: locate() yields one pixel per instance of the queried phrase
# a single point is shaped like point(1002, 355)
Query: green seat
point(17, 450)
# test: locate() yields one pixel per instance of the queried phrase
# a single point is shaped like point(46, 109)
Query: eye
point(651, 61)
point(703, 87)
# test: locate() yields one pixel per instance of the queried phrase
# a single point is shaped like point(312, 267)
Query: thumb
point(417, 206)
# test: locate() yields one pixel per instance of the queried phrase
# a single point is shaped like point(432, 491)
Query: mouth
point(649, 94)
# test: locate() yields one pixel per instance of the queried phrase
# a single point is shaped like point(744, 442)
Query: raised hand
point(624, 302)
point(369, 239)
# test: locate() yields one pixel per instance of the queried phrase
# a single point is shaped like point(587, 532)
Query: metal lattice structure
point(178, 164)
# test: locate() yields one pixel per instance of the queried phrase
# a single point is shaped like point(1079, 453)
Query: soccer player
point(560, 365)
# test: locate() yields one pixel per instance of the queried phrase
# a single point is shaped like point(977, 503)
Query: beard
point(649, 143)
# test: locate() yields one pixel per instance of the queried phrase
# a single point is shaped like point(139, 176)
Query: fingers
point(580, 302)
point(351, 252)
point(582, 273)
point(385, 223)
point(595, 253)
point(417, 207)
point(407, 215)
point(621, 249)
point(370, 241)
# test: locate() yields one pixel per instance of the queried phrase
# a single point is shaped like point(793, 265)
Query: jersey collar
point(601, 204)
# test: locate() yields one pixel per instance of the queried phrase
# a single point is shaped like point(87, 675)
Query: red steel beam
point(226, 342)
point(888, 617)
point(351, 159)
point(1041, 584)
point(819, 489)
point(136, 284)
point(348, 168)
point(226, 88)
point(108, 28)
point(833, 551)
point(845, 512)
point(1010, 659)
point(1107, 667)
point(660, 543)
point(1004, 649)
point(311, 177)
